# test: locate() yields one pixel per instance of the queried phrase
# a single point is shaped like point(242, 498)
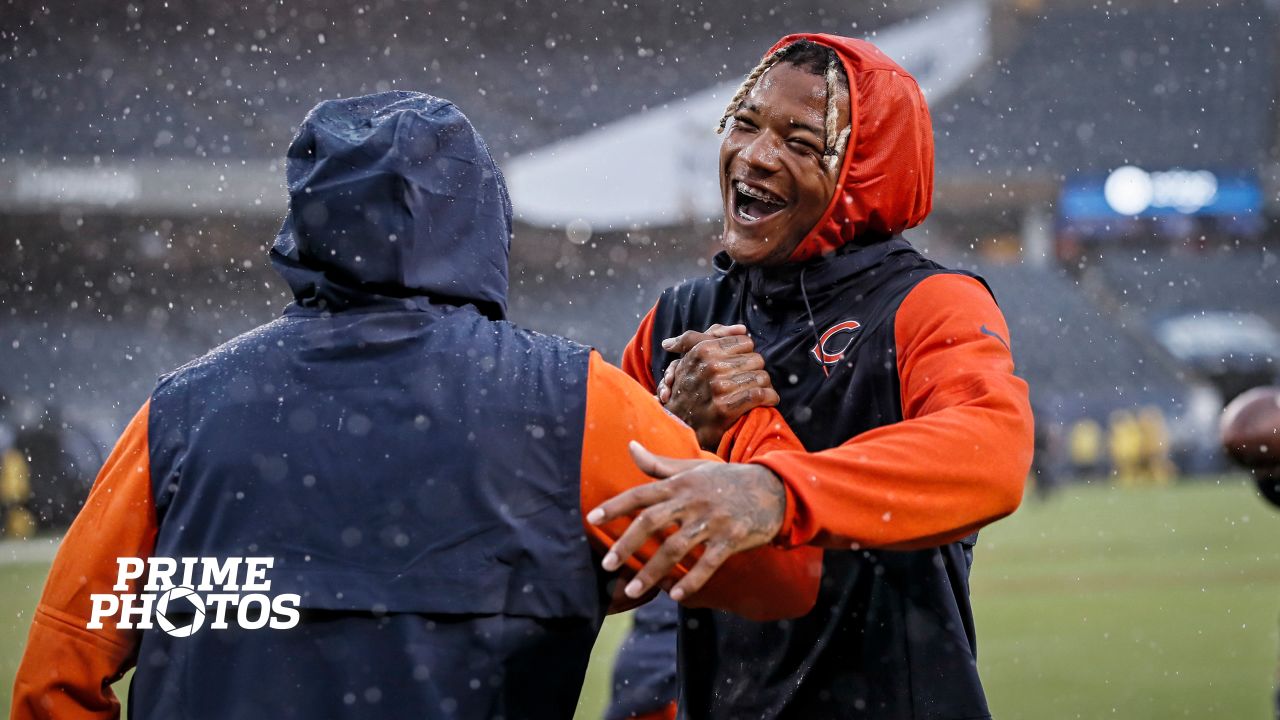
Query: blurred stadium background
point(1111, 168)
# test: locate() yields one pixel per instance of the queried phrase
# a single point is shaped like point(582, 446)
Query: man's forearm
point(68, 668)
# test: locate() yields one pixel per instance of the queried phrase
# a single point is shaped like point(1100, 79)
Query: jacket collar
point(780, 286)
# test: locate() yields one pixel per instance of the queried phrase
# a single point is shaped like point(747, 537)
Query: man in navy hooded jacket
point(415, 468)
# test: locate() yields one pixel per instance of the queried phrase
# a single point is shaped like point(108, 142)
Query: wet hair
point(818, 60)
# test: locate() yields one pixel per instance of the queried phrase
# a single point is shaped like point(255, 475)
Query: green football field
point(1154, 603)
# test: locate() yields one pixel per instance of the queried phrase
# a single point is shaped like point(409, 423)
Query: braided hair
point(814, 58)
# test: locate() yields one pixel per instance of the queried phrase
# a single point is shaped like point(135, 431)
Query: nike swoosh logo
point(995, 335)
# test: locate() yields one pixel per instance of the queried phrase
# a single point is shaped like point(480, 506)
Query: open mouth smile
point(752, 204)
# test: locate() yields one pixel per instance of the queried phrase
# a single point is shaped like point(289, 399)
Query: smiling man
point(775, 191)
point(895, 374)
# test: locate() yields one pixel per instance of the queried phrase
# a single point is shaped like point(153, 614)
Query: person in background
point(60, 461)
point(1044, 463)
point(416, 468)
point(16, 519)
point(894, 373)
point(1125, 446)
point(1157, 468)
point(1084, 443)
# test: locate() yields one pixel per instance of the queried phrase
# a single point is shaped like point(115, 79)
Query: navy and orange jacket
point(912, 432)
point(417, 468)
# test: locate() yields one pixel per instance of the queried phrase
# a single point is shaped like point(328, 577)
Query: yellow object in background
point(1084, 446)
point(1126, 449)
point(1157, 468)
point(1139, 448)
point(15, 490)
point(15, 478)
point(19, 523)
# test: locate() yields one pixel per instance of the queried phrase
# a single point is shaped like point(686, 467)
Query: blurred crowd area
point(1135, 314)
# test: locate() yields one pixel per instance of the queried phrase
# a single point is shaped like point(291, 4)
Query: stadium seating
point(1083, 87)
point(1164, 284)
point(213, 81)
point(1082, 360)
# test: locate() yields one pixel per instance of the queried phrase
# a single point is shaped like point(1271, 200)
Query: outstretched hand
point(726, 507)
point(718, 379)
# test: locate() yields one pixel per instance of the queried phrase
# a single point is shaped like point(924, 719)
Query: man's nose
point(763, 152)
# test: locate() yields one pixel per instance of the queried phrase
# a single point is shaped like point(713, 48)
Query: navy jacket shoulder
point(409, 460)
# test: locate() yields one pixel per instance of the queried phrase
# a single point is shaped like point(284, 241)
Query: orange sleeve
point(758, 432)
point(958, 460)
point(762, 584)
point(637, 358)
point(67, 670)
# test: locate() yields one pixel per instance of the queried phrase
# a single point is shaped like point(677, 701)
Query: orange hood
point(886, 177)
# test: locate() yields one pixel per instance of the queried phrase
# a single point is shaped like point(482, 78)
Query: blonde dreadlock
point(749, 83)
point(835, 142)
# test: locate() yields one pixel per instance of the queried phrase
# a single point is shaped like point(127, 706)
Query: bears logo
point(833, 343)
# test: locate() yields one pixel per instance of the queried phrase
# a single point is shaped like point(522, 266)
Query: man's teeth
point(749, 191)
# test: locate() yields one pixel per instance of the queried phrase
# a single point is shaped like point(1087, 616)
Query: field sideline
point(1151, 603)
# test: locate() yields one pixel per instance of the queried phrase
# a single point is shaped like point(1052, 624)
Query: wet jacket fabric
point(912, 432)
point(644, 683)
point(416, 468)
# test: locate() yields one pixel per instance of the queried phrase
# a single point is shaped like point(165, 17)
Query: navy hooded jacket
point(408, 462)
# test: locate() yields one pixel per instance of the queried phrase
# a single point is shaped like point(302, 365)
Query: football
point(1250, 427)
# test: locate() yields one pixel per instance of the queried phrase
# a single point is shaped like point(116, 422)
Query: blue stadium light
point(1131, 191)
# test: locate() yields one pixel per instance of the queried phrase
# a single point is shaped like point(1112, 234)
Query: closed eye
point(805, 145)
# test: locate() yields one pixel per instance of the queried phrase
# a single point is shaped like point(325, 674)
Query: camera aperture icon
point(181, 593)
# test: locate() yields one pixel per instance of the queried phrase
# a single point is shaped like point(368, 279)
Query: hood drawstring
point(813, 324)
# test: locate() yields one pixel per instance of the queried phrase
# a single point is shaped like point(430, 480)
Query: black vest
point(414, 473)
point(891, 635)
